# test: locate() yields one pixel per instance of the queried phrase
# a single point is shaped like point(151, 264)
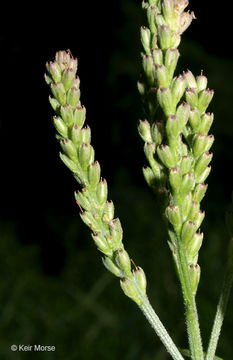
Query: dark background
point(53, 287)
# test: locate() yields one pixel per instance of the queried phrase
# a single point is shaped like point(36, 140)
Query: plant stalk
point(220, 313)
point(160, 330)
point(193, 328)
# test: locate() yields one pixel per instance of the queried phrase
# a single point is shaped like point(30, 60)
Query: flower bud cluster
point(167, 20)
point(177, 146)
point(79, 156)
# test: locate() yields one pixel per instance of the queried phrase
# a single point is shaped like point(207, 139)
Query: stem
point(193, 329)
point(220, 313)
point(160, 330)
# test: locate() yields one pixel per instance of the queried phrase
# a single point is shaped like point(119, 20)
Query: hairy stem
point(160, 330)
point(193, 329)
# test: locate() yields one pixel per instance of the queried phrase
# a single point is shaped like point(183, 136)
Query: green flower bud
point(108, 211)
point(146, 39)
point(157, 55)
point(123, 262)
point(157, 131)
point(102, 192)
point(186, 164)
point(175, 179)
point(186, 206)
point(201, 82)
point(209, 142)
point(79, 115)
point(164, 36)
point(48, 79)
point(68, 78)
point(111, 243)
point(54, 71)
point(165, 101)
point(160, 21)
point(185, 20)
point(150, 176)
point(72, 97)
point(154, 43)
point(194, 271)
point(191, 97)
point(206, 122)
point(69, 149)
point(151, 13)
point(173, 126)
point(75, 134)
point(140, 278)
point(194, 247)
point(162, 76)
point(199, 218)
point(148, 66)
point(77, 82)
point(199, 192)
point(102, 245)
point(65, 60)
point(178, 88)
point(69, 163)
point(166, 156)
point(60, 126)
point(201, 144)
point(170, 61)
point(174, 216)
point(55, 104)
point(194, 211)
point(145, 131)
point(110, 266)
point(184, 151)
point(187, 232)
point(175, 40)
point(168, 10)
point(67, 114)
point(59, 93)
point(116, 233)
point(203, 176)
point(130, 290)
point(90, 221)
point(205, 98)
point(202, 163)
point(85, 155)
point(93, 173)
point(85, 135)
point(182, 113)
point(191, 81)
point(173, 243)
point(187, 185)
point(194, 119)
point(82, 199)
point(149, 149)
